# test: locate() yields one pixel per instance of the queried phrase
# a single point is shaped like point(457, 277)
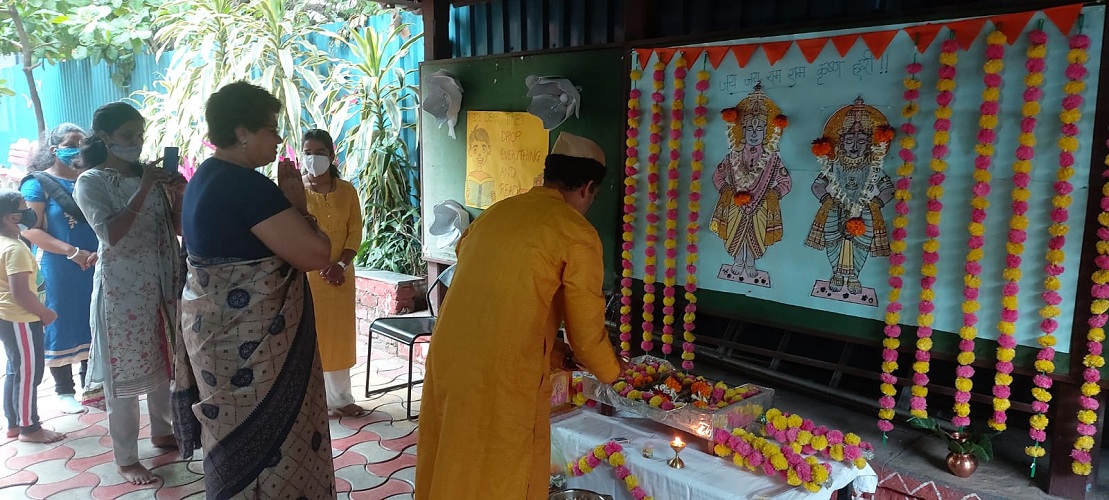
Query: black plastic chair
point(406, 330)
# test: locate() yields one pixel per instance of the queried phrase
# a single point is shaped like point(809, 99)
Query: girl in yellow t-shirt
point(22, 316)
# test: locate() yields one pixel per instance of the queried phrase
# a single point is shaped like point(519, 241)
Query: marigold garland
point(1055, 258)
point(700, 120)
point(631, 172)
point(1018, 227)
point(673, 174)
point(650, 257)
point(778, 461)
point(897, 248)
point(612, 454)
point(972, 281)
point(807, 438)
point(931, 248)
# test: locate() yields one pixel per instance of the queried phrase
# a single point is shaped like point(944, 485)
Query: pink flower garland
point(897, 248)
point(673, 175)
point(777, 461)
point(650, 252)
point(612, 454)
point(700, 113)
point(1055, 258)
point(807, 438)
point(931, 248)
point(1018, 228)
point(631, 171)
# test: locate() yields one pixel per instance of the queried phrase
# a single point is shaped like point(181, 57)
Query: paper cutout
point(812, 48)
point(1012, 25)
point(504, 155)
point(844, 43)
point(716, 55)
point(665, 55)
point(644, 56)
point(691, 54)
point(966, 32)
point(442, 98)
point(1064, 17)
point(553, 99)
point(775, 51)
point(878, 41)
point(923, 35)
point(743, 53)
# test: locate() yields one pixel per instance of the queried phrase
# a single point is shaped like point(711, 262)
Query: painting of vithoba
point(504, 155)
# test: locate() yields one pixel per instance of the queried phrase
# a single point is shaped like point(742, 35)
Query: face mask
point(27, 219)
point(316, 164)
point(127, 153)
point(67, 155)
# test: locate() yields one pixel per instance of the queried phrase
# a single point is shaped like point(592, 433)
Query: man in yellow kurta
point(528, 264)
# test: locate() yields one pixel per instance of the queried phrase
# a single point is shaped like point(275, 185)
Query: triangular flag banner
point(812, 48)
point(878, 41)
point(1064, 17)
point(665, 55)
point(692, 54)
point(923, 35)
point(743, 53)
point(966, 32)
point(844, 43)
point(644, 57)
point(716, 55)
point(775, 51)
point(1012, 25)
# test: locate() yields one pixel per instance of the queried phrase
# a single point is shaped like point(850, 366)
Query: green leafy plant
point(978, 442)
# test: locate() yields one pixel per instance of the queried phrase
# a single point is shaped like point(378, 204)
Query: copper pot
point(962, 464)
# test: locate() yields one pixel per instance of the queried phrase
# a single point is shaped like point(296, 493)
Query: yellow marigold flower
point(884, 414)
point(792, 478)
point(1005, 354)
point(945, 112)
point(779, 462)
point(988, 121)
point(1084, 442)
point(1081, 469)
point(966, 358)
point(1041, 395)
point(963, 384)
point(1001, 404)
point(617, 459)
point(1099, 306)
point(631, 482)
point(919, 392)
point(1045, 366)
point(1034, 80)
point(1003, 378)
point(1074, 87)
point(1087, 416)
point(1030, 108)
point(996, 38)
point(889, 367)
point(942, 137)
point(1038, 421)
point(1078, 56)
point(795, 420)
point(962, 409)
point(1047, 341)
point(1037, 51)
point(1034, 451)
point(949, 58)
point(837, 453)
point(1096, 334)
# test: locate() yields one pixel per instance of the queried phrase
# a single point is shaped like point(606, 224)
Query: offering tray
point(699, 421)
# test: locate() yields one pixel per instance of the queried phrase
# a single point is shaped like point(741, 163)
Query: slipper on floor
point(351, 411)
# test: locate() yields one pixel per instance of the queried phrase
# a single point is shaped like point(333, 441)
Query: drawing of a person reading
point(752, 181)
point(852, 189)
point(479, 191)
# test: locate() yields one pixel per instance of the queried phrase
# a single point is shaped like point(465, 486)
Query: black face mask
point(28, 218)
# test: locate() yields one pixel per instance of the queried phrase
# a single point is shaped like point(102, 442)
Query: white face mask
point(317, 165)
point(127, 153)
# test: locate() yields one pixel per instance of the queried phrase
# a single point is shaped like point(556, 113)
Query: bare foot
point(42, 436)
point(13, 432)
point(164, 442)
point(137, 474)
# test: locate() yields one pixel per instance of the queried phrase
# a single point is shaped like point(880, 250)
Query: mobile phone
point(171, 158)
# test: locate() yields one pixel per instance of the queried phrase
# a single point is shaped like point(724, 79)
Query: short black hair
point(571, 172)
point(107, 118)
point(9, 201)
point(238, 104)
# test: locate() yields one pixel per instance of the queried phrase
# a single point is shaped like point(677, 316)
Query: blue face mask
point(67, 155)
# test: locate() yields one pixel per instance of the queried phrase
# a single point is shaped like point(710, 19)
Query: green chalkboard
point(497, 84)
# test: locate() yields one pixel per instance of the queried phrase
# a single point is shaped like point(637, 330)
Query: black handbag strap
point(56, 192)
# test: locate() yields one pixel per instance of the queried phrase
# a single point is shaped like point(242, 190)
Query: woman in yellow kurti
point(526, 265)
point(334, 203)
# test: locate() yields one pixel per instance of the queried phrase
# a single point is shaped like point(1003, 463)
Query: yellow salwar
point(527, 265)
point(339, 214)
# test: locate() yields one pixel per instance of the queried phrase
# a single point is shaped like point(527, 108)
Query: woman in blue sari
point(248, 383)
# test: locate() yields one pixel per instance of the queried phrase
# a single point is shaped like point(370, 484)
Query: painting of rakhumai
point(752, 180)
point(852, 188)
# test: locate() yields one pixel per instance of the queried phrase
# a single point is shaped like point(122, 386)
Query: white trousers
point(123, 422)
point(337, 386)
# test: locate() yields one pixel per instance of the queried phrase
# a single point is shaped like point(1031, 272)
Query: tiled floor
point(375, 455)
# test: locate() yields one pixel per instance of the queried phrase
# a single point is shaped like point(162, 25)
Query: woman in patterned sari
point(248, 382)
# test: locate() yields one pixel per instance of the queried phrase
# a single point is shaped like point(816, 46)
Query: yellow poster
point(504, 155)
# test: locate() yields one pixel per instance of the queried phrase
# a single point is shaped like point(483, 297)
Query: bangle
point(342, 265)
point(76, 250)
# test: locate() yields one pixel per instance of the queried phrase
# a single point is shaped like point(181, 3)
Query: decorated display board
point(504, 155)
point(931, 175)
point(499, 84)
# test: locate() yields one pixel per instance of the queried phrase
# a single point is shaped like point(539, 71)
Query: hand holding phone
point(171, 158)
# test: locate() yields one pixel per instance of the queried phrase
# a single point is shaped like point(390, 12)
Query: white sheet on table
point(706, 477)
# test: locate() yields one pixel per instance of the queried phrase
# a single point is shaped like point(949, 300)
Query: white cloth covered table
point(705, 477)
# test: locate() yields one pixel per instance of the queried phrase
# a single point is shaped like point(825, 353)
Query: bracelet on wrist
point(76, 250)
point(342, 265)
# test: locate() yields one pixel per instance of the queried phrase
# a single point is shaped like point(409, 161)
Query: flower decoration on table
point(1095, 336)
point(897, 248)
point(931, 247)
point(778, 461)
point(805, 437)
point(577, 391)
point(631, 179)
point(610, 453)
point(662, 387)
point(673, 174)
point(1055, 258)
point(972, 281)
point(693, 228)
point(1018, 227)
point(650, 251)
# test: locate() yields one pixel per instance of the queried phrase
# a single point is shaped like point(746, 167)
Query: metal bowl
point(575, 494)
